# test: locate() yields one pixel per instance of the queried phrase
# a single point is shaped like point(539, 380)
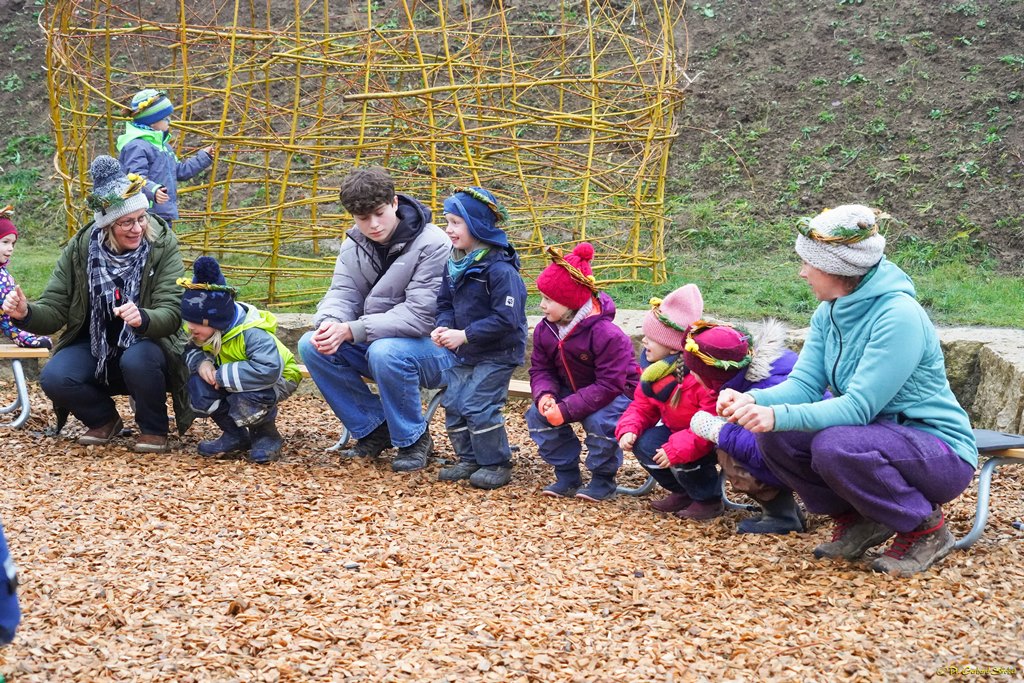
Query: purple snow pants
point(891, 474)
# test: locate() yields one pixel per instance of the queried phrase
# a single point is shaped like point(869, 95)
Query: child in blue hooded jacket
point(144, 149)
point(481, 318)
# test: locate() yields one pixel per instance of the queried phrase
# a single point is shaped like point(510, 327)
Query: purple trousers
point(891, 474)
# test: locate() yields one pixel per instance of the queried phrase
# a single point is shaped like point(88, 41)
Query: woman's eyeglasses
point(127, 224)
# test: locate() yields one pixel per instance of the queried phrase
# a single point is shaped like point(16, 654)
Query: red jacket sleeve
point(683, 446)
point(641, 415)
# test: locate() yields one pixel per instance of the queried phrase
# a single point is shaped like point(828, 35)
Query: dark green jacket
point(64, 303)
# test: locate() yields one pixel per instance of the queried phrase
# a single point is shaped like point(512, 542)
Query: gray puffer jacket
point(400, 301)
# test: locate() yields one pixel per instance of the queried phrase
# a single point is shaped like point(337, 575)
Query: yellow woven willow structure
point(565, 111)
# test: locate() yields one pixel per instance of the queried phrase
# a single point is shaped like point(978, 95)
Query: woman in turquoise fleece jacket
point(894, 444)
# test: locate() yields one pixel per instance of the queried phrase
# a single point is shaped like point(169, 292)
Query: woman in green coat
point(113, 291)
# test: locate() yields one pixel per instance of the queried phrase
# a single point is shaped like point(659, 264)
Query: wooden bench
point(16, 354)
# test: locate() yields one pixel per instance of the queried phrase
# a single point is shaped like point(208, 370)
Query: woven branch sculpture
point(566, 114)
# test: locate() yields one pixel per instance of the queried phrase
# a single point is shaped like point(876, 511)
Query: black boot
point(371, 445)
point(780, 515)
point(266, 441)
point(233, 440)
point(414, 457)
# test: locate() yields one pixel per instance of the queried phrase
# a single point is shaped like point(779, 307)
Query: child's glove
point(554, 415)
point(706, 426)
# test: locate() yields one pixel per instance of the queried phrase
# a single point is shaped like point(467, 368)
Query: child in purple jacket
point(582, 369)
point(8, 238)
point(738, 453)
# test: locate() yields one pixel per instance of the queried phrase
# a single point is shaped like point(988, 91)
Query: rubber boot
point(601, 487)
point(566, 483)
point(266, 441)
point(233, 440)
point(779, 515)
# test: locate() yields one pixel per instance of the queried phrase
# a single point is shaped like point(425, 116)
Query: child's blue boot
point(233, 440)
point(601, 487)
point(566, 483)
point(266, 441)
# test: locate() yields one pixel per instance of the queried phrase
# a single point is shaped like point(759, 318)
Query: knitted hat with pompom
point(669, 318)
point(842, 241)
point(208, 300)
point(114, 194)
point(6, 224)
point(569, 280)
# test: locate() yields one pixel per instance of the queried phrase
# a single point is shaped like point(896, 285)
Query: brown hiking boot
point(919, 549)
point(151, 443)
point(852, 536)
point(99, 436)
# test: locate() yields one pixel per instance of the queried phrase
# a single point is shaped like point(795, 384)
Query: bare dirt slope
point(161, 568)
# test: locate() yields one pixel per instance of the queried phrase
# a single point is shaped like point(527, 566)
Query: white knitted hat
point(114, 194)
point(821, 242)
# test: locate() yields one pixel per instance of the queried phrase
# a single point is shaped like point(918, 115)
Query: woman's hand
point(661, 458)
point(626, 441)
point(754, 418)
point(208, 373)
point(129, 313)
point(16, 304)
point(729, 401)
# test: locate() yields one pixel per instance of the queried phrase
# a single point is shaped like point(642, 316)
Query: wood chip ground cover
point(175, 568)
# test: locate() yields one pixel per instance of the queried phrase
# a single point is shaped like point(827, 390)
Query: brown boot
point(919, 549)
point(151, 443)
point(101, 435)
point(673, 502)
point(852, 536)
point(701, 510)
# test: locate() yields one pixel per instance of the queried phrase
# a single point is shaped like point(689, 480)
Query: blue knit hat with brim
point(482, 213)
point(208, 300)
point(149, 106)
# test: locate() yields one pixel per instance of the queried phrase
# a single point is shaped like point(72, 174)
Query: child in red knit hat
point(8, 237)
point(656, 426)
point(581, 370)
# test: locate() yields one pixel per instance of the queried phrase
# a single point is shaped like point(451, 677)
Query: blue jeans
point(140, 372)
point(559, 446)
point(472, 401)
point(399, 366)
point(697, 479)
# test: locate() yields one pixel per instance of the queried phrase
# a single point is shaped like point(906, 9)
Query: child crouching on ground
point(239, 371)
point(481, 318)
point(656, 426)
point(581, 370)
point(8, 236)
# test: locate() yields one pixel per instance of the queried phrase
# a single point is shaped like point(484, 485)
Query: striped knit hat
point(149, 106)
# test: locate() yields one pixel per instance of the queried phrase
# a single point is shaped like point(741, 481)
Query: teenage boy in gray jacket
point(376, 318)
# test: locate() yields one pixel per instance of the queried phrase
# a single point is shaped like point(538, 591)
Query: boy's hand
point(554, 415)
point(208, 373)
point(435, 336)
point(451, 339)
point(626, 441)
point(161, 196)
point(330, 335)
point(729, 400)
point(209, 150)
point(129, 313)
point(661, 458)
point(16, 304)
point(545, 403)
